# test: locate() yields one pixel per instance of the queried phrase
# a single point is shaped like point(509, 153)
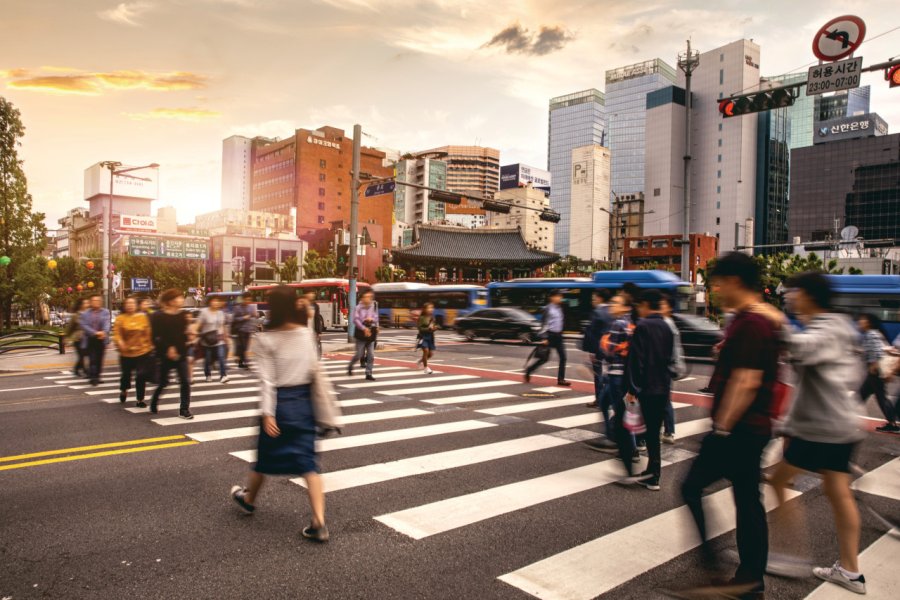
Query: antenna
point(849, 233)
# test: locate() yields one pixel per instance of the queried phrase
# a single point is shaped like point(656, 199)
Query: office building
point(519, 175)
point(663, 253)
point(576, 120)
point(231, 255)
point(237, 171)
point(471, 170)
point(231, 221)
point(626, 108)
point(589, 234)
point(627, 221)
point(526, 202)
point(663, 163)
point(773, 163)
point(414, 205)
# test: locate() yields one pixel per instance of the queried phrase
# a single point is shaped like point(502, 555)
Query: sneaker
point(237, 494)
point(141, 404)
point(370, 378)
point(602, 445)
point(668, 438)
point(592, 405)
point(636, 457)
point(185, 414)
point(564, 383)
point(153, 408)
point(651, 484)
point(208, 379)
point(428, 371)
point(122, 397)
point(641, 478)
point(888, 428)
point(835, 574)
point(224, 379)
point(349, 371)
point(317, 534)
point(527, 377)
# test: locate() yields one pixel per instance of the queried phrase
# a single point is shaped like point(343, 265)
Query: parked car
point(698, 335)
point(496, 323)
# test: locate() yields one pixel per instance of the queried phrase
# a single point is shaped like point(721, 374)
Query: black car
point(496, 323)
point(698, 335)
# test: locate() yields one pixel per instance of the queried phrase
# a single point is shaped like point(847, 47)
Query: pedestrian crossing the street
point(433, 434)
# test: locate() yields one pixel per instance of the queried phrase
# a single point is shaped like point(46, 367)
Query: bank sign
point(847, 128)
point(137, 223)
point(519, 175)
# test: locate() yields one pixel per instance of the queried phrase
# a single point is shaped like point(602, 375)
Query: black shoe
point(237, 494)
point(362, 363)
point(141, 404)
point(153, 406)
point(563, 382)
point(95, 382)
point(316, 534)
point(185, 414)
point(527, 377)
point(369, 378)
point(350, 371)
point(602, 445)
point(888, 428)
point(122, 397)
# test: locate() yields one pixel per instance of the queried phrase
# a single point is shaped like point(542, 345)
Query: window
point(720, 158)
point(656, 191)
point(721, 76)
point(633, 244)
point(321, 191)
point(321, 206)
point(322, 163)
point(285, 254)
point(321, 219)
point(718, 189)
point(718, 220)
point(264, 254)
point(720, 142)
point(660, 243)
point(265, 274)
point(241, 251)
point(718, 205)
point(321, 176)
point(719, 174)
point(721, 58)
point(720, 127)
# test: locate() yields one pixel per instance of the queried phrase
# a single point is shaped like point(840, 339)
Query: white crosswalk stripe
point(425, 379)
point(448, 388)
point(469, 398)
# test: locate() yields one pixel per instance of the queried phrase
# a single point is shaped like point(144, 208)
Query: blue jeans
point(599, 383)
point(613, 398)
point(214, 353)
point(369, 349)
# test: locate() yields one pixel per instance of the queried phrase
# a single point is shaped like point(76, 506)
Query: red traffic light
point(726, 108)
point(893, 76)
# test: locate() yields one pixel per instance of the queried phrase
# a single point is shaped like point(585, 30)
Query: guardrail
point(32, 339)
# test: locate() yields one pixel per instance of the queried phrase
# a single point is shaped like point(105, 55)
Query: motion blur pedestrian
point(212, 327)
point(170, 334)
point(552, 324)
point(601, 320)
point(193, 351)
point(873, 343)
point(365, 323)
point(243, 325)
point(134, 341)
point(74, 333)
point(95, 325)
point(297, 398)
point(677, 368)
point(822, 428)
point(146, 306)
point(648, 378)
point(425, 341)
point(317, 321)
point(743, 383)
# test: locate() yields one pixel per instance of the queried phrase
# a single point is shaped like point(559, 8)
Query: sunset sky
point(166, 80)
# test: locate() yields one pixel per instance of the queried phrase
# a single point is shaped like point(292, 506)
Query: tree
point(316, 266)
point(389, 273)
point(22, 231)
point(287, 271)
point(32, 285)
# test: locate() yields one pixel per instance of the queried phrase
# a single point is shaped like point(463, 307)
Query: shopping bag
point(634, 420)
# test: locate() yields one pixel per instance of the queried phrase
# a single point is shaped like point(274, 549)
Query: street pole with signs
point(354, 228)
point(687, 62)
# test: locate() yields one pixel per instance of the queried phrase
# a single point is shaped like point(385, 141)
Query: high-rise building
point(237, 172)
point(773, 167)
point(527, 202)
point(472, 170)
point(413, 205)
point(576, 120)
point(589, 206)
point(626, 108)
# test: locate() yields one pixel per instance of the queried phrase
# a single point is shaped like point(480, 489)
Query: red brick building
point(661, 252)
point(311, 171)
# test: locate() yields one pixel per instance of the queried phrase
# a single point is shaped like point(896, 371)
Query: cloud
point(126, 13)
point(94, 84)
point(519, 40)
point(181, 114)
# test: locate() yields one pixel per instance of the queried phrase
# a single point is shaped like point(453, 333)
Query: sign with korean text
point(137, 223)
point(850, 127)
point(163, 247)
point(377, 189)
point(833, 77)
point(141, 284)
point(839, 38)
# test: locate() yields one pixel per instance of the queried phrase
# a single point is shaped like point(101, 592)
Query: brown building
point(473, 170)
point(628, 222)
point(311, 171)
point(661, 252)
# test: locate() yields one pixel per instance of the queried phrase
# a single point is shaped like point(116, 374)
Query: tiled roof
point(462, 245)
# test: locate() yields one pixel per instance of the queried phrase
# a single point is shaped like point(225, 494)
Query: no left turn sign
point(839, 37)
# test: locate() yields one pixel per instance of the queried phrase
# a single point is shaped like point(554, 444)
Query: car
point(698, 335)
point(496, 323)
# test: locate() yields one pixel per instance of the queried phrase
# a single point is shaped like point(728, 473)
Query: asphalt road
point(478, 488)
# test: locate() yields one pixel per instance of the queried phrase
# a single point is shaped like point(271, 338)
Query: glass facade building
point(773, 179)
point(576, 120)
point(626, 110)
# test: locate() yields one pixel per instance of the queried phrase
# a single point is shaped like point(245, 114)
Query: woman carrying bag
point(134, 340)
point(297, 400)
point(213, 328)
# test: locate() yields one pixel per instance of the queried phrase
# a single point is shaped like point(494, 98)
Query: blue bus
point(399, 303)
point(531, 294)
point(878, 295)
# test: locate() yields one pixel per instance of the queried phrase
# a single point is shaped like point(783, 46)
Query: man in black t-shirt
point(170, 339)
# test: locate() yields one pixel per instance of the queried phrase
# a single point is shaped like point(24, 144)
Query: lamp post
point(114, 170)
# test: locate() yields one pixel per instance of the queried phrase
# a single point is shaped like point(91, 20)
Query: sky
point(165, 81)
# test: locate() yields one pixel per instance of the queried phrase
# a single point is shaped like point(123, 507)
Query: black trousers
point(243, 344)
point(737, 459)
point(653, 408)
point(138, 366)
point(874, 384)
point(80, 355)
point(95, 351)
point(181, 367)
point(555, 341)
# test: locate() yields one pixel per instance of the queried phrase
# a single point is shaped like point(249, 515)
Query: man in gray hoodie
point(822, 428)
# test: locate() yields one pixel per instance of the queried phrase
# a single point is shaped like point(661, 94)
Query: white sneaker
point(224, 379)
point(428, 371)
point(208, 379)
point(668, 438)
point(835, 574)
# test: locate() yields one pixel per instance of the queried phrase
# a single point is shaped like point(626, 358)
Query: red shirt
point(751, 342)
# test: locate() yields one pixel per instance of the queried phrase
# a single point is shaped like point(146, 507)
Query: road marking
point(879, 559)
point(224, 434)
point(381, 374)
point(231, 390)
point(63, 376)
point(591, 418)
point(425, 379)
point(883, 481)
point(243, 400)
point(480, 357)
point(234, 414)
point(520, 408)
point(37, 387)
point(382, 437)
point(93, 447)
point(638, 548)
point(472, 398)
point(447, 388)
point(115, 384)
point(551, 389)
point(60, 459)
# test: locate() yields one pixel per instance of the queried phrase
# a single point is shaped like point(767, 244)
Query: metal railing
point(32, 339)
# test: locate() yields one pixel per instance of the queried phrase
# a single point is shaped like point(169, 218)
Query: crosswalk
point(426, 435)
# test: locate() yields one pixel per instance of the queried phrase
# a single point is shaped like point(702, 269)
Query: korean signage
point(141, 284)
point(512, 176)
point(850, 127)
point(833, 77)
point(137, 223)
point(161, 247)
point(312, 139)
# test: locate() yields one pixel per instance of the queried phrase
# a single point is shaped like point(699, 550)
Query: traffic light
point(893, 76)
point(343, 255)
point(756, 102)
point(549, 215)
point(497, 207)
point(445, 197)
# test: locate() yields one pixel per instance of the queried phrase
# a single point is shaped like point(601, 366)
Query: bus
point(399, 303)
point(531, 294)
point(877, 295)
point(332, 296)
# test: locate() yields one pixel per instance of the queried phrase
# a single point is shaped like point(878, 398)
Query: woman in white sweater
point(297, 400)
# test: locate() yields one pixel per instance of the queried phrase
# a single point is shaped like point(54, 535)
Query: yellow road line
point(47, 461)
point(94, 447)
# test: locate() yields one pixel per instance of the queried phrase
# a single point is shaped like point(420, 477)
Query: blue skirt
point(426, 342)
point(293, 452)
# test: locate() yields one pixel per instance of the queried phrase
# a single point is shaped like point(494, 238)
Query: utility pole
point(687, 62)
point(354, 227)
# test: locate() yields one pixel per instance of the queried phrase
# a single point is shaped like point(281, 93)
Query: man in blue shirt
point(95, 324)
point(552, 333)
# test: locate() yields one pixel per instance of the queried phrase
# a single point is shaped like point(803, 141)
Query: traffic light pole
point(354, 227)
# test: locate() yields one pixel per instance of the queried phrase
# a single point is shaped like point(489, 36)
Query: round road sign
point(839, 38)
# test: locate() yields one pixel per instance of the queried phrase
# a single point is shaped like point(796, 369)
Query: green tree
point(316, 266)
point(22, 231)
point(33, 283)
point(387, 273)
point(287, 271)
point(178, 273)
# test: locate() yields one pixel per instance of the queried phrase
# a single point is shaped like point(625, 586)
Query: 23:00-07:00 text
point(840, 82)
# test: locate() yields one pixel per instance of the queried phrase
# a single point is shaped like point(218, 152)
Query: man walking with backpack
point(552, 333)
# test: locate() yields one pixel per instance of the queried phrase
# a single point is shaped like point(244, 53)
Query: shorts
point(426, 342)
point(819, 456)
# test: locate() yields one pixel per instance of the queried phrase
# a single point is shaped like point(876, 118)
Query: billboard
point(166, 247)
point(519, 175)
point(137, 223)
point(846, 128)
point(129, 185)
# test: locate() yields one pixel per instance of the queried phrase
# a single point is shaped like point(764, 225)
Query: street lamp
point(114, 171)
